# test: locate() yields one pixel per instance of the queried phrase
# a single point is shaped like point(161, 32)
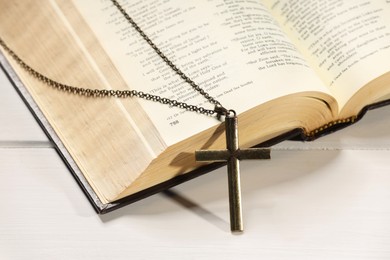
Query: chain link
point(101, 93)
point(165, 58)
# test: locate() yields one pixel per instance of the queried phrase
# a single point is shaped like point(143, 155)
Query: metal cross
point(232, 154)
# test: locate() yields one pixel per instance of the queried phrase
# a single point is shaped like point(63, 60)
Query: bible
point(289, 69)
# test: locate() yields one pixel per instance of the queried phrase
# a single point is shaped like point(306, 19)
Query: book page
point(233, 49)
point(347, 42)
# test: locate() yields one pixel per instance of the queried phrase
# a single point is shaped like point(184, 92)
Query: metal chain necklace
point(101, 93)
point(231, 155)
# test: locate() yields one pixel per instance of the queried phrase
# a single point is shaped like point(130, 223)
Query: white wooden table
point(329, 199)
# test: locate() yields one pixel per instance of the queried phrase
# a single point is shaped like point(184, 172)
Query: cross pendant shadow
point(232, 155)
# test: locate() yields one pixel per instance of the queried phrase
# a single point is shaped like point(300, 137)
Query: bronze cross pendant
point(232, 154)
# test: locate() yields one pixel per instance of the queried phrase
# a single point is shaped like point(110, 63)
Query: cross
point(232, 154)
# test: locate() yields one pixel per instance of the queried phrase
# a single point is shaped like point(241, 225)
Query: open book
point(281, 65)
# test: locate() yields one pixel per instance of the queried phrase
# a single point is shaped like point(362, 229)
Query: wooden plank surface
point(324, 205)
point(329, 199)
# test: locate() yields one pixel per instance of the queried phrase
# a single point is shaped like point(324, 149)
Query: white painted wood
point(324, 205)
point(16, 122)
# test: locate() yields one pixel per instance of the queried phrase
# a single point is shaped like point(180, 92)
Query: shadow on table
point(201, 194)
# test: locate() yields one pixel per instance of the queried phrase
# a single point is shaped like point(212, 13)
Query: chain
point(101, 93)
point(165, 59)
